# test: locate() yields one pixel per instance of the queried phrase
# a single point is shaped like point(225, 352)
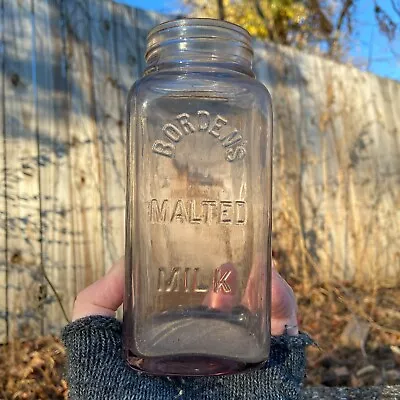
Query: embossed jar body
point(198, 216)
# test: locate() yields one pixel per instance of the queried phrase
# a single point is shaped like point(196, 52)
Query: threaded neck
point(199, 42)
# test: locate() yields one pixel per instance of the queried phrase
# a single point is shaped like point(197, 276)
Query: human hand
point(104, 296)
point(97, 370)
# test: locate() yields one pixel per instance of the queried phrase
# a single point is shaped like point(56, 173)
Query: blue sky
point(369, 49)
point(381, 56)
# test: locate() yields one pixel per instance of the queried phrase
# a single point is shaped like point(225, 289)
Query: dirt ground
point(33, 369)
point(326, 311)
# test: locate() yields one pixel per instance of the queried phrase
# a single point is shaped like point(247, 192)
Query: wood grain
point(110, 127)
point(336, 166)
point(25, 281)
point(3, 196)
point(85, 157)
point(66, 68)
point(55, 172)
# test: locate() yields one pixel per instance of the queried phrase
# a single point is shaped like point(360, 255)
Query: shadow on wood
point(67, 68)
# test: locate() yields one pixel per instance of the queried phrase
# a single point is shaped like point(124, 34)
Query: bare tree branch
point(261, 14)
point(396, 8)
point(386, 23)
point(346, 6)
point(334, 41)
point(221, 11)
point(325, 23)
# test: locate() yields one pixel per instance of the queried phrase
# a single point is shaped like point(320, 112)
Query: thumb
point(102, 297)
point(283, 306)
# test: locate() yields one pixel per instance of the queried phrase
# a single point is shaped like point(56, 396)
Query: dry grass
point(32, 370)
point(325, 310)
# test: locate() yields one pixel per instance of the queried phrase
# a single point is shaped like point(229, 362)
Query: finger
point(255, 286)
point(283, 306)
point(283, 302)
point(102, 297)
point(223, 294)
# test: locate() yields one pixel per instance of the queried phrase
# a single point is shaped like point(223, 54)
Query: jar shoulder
point(235, 88)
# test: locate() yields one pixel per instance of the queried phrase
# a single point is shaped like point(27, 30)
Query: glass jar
point(198, 216)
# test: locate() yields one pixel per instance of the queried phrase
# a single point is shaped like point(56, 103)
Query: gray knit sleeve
point(96, 370)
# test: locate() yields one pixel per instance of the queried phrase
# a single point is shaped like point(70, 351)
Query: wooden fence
point(65, 70)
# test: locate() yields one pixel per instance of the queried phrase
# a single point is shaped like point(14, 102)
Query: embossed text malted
point(228, 212)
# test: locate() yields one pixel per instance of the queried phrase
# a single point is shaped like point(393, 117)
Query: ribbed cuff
point(85, 333)
point(96, 370)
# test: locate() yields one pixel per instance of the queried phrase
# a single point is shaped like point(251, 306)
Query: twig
point(58, 298)
point(395, 7)
point(343, 13)
point(326, 24)
point(261, 14)
point(390, 312)
point(221, 11)
point(363, 315)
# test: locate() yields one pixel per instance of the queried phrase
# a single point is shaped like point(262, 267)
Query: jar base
point(188, 365)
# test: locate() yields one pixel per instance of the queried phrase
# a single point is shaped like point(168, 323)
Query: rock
point(355, 333)
point(343, 393)
point(378, 380)
point(369, 369)
point(342, 374)
point(341, 371)
point(355, 382)
point(393, 377)
point(396, 353)
point(329, 379)
point(388, 364)
point(369, 375)
point(338, 376)
point(328, 361)
point(384, 351)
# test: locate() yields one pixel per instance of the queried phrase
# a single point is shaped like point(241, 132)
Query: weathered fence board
point(85, 147)
point(55, 172)
point(66, 69)
point(110, 134)
point(3, 202)
point(337, 166)
point(24, 277)
point(125, 69)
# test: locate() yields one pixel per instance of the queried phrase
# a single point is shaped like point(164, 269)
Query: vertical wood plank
point(280, 78)
point(3, 209)
point(335, 214)
point(330, 204)
point(55, 173)
point(126, 52)
point(356, 164)
point(365, 186)
point(109, 127)
point(119, 40)
point(127, 70)
point(391, 175)
point(85, 148)
point(310, 213)
point(382, 201)
point(25, 283)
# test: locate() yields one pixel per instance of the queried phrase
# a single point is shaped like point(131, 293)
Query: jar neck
point(199, 44)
